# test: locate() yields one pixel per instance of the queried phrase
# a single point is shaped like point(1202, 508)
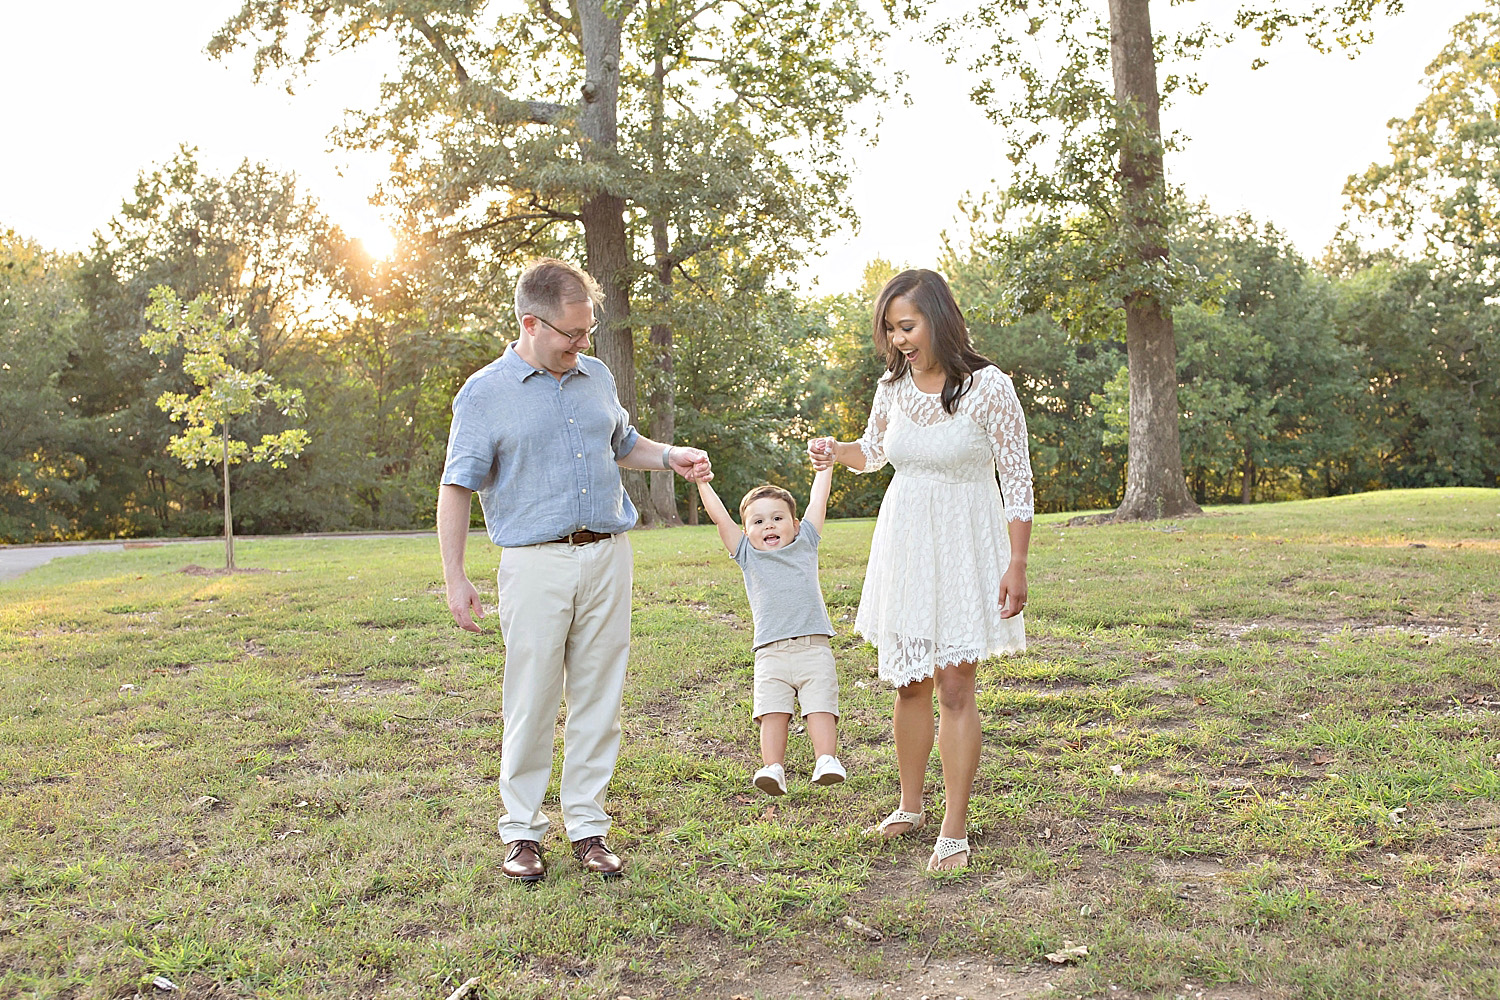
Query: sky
point(101, 90)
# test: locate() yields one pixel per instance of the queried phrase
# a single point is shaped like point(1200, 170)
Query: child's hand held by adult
point(820, 450)
point(691, 464)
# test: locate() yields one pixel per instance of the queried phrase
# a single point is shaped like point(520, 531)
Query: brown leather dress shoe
point(596, 856)
point(523, 862)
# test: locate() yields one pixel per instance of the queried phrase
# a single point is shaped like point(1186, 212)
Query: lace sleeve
point(872, 442)
point(999, 413)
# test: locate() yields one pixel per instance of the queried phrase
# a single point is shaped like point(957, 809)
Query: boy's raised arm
point(817, 503)
point(729, 532)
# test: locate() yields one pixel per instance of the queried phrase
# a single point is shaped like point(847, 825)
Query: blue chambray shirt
point(540, 452)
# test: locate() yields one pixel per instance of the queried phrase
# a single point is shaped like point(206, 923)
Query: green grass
point(1256, 752)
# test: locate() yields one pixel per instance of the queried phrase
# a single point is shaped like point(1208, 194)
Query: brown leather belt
point(581, 538)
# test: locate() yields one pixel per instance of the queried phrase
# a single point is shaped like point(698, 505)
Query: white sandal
point(945, 848)
point(915, 820)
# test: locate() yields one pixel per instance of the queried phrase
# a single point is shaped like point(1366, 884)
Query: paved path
point(17, 559)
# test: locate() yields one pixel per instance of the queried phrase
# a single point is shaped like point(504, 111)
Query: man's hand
point(464, 605)
point(691, 464)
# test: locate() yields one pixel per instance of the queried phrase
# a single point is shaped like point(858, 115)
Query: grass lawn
point(1252, 754)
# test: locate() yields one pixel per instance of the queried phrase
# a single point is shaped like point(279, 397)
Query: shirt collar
point(519, 368)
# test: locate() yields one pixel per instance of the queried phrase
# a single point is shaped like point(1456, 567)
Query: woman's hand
point(1013, 590)
point(820, 450)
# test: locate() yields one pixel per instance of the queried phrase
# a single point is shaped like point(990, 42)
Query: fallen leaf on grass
point(1070, 952)
point(1396, 815)
point(769, 812)
point(163, 983)
point(289, 833)
point(1117, 770)
point(866, 931)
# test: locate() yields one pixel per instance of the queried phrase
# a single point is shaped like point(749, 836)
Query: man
point(541, 436)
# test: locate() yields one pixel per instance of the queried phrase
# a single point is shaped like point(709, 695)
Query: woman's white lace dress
point(932, 586)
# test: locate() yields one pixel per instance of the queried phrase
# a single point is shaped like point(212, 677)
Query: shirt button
point(584, 491)
point(570, 420)
point(579, 455)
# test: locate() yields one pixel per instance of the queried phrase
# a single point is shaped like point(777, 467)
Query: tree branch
point(568, 24)
point(546, 214)
point(440, 46)
point(500, 109)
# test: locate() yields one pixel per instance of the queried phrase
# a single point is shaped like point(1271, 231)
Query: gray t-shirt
point(785, 599)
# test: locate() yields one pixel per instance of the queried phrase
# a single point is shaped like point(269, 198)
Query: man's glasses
point(579, 335)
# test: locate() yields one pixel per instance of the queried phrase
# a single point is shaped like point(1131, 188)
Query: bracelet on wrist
point(666, 458)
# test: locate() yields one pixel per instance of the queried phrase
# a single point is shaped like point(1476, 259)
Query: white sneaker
point(771, 779)
point(828, 771)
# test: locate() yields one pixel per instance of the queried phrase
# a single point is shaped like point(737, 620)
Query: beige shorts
point(800, 669)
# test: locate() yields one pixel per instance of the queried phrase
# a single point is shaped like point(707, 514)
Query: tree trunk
point(1247, 484)
point(663, 500)
point(1154, 483)
point(663, 392)
point(606, 243)
point(228, 520)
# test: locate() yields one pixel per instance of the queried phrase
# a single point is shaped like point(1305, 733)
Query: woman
point(946, 581)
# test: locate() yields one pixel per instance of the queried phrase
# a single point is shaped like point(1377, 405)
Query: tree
point(1093, 181)
point(656, 130)
point(1441, 189)
point(42, 474)
point(1261, 336)
point(208, 340)
point(260, 250)
point(1430, 347)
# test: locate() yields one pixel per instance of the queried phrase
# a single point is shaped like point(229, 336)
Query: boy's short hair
point(548, 284)
point(774, 492)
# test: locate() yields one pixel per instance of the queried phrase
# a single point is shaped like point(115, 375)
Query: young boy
point(779, 556)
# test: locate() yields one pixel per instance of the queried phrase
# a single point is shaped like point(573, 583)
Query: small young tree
point(208, 339)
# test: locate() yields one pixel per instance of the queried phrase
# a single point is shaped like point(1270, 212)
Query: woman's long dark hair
point(930, 295)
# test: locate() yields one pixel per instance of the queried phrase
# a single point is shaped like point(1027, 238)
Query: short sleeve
point(623, 438)
point(471, 460)
point(998, 411)
point(872, 442)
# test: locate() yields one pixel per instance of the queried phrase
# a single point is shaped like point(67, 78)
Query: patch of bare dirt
point(354, 687)
point(1324, 630)
point(193, 569)
point(729, 618)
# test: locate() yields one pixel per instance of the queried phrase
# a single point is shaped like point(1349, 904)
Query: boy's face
point(769, 523)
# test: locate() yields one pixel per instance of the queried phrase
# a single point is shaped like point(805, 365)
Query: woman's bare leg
point(912, 725)
point(958, 746)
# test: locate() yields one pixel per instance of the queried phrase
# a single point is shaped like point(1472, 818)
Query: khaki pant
point(565, 617)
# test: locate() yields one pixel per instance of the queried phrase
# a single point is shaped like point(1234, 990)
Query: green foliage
point(44, 479)
point(751, 383)
point(1441, 187)
point(1074, 459)
point(1430, 344)
point(207, 340)
point(261, 253)
point(853, 368)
